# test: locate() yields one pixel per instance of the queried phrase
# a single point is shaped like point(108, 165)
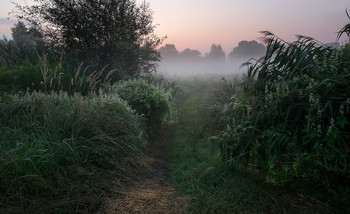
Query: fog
point(214, 63)
point(184, 69)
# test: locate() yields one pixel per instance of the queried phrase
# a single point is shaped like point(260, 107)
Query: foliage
point(190, 55)
point(222, 190)
point(55, 146)
point(292, 117)
point(248, 49)
point(217, 101)
point(168, 52)
point(216, 53)
point(345, 29)
point(23, 47)
point(118, 33)
point(19, 78)
point(152, 101)
point(51, 75)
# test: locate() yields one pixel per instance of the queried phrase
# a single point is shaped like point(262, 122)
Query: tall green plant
point(294, 115)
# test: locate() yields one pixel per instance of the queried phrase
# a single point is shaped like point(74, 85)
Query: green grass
point(59, 152)
point(225, 190)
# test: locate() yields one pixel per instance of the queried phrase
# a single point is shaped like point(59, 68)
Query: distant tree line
point(245, 49)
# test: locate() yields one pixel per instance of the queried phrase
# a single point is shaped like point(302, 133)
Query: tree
point(168, 52)
point(248, 49)
point(27, 37)
point(24, 46)
point(20, 33)
point(216, 53)
point(114, 32)
point(192, 55)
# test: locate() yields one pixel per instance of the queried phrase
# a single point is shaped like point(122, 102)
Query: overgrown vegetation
point(55, 146)
point(78, 105)
point(290, 118)
point(68, 128)
point(197, 169)
point(154, 102)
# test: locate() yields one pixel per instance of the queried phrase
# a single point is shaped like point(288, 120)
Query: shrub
point(14, 78)
point(151, 101)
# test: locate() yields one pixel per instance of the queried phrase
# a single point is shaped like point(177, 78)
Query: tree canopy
point(115, 32)
point(169, 51)
point(248, 49)
point(189, 54)
point(216, 53)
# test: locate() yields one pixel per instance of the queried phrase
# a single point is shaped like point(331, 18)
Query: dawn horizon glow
point(197, 24)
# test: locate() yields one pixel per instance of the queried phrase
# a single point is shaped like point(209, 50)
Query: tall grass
point(292, 116)
point(153, 101)
point(197, 169)
point(51, 75)
point(55, 146)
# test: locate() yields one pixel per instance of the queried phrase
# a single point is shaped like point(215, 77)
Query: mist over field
point(126, 106)
point(192, 68)
point(215, 62)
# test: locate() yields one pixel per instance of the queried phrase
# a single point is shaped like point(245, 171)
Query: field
point(95, 128)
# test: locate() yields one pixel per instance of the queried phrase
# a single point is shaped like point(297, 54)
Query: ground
point(172, 180)
point(152, 191)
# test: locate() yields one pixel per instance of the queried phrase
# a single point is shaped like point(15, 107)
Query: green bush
point(14, 78)
point(55, 145)
point(52, 76)
point(152, 101)
point(293, 118)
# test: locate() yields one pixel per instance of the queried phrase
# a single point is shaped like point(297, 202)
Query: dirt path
point(151, 193)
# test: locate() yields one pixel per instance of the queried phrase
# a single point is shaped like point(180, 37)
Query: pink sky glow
point(197, 24)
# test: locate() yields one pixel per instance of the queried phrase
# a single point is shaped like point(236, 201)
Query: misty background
point(216, 62)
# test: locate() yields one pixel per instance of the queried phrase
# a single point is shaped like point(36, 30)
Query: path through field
point(182, 153)
point(151, 193)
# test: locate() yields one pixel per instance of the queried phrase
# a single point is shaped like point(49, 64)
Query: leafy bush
point(55, 145)
point(20, 77)
point(151, 101)
point(293, 117)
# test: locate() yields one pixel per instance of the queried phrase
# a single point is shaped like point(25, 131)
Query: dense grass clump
point(153, 101)
point(55, 146)
point(291, 117)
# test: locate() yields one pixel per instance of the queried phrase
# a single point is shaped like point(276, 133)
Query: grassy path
point(152, 192)
point(197, 170)
point(184, 173)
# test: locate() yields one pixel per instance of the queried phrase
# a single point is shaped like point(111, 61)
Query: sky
point(196, 24)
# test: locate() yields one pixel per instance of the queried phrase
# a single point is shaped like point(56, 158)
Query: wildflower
point(341, 109)
point(311, 98)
